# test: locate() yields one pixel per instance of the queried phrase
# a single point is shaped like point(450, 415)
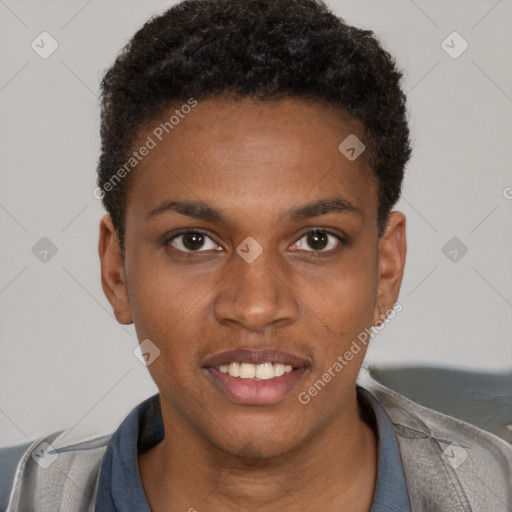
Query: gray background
point(66, 362)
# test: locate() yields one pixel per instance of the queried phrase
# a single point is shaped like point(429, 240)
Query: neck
point(335, 468)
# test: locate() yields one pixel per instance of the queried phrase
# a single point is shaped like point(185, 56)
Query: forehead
point(248, 152)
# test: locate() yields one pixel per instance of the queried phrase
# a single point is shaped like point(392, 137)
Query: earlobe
point(113, 279)
point(392, 254)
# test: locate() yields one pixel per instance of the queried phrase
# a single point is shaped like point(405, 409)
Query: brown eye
point(192, 241)
point(318, 241)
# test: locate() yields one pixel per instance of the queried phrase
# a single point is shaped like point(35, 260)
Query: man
point(252, 153)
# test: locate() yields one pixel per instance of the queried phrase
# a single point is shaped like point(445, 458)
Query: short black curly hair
point(265, 49)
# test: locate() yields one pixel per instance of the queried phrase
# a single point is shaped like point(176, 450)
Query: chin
point(257, 446)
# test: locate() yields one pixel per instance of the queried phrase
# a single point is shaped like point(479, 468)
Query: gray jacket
point(449, 465)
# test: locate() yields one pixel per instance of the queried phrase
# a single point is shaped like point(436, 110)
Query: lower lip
point(256, 392)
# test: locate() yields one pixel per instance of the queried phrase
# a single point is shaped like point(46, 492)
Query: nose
point(256, 295)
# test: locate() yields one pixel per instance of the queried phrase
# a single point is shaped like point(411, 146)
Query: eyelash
point(343, 242)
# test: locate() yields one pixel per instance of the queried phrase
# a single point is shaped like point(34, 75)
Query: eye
point(192, 241)
point(319, 240)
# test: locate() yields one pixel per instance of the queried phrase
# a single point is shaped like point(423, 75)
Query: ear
point(392, 251)
point(113, 279)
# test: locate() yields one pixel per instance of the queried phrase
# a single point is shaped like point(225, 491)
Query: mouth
point(256, 377)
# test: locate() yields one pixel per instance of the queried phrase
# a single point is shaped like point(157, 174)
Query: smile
point(256, 377)
point(264, 371)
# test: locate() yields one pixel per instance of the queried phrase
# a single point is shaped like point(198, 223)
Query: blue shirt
point(120, 486)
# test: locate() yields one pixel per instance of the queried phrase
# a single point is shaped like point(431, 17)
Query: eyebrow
point(201, 211)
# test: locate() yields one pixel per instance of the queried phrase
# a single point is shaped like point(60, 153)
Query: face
point(251, 247)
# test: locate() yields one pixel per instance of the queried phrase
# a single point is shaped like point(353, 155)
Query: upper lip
point(243, 355)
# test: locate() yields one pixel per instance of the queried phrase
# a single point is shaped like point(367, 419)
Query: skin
point(255, 161)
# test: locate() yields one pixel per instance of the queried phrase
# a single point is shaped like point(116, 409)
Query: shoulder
point(67, 465)
point(10, 457)
point(448, 463)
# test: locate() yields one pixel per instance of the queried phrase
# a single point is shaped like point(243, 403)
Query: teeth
point(279, 369)
point(247, 371)
point(264, 371)
point(234, 369)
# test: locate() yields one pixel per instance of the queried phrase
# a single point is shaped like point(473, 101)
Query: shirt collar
point(391, 488)
point(120, 486)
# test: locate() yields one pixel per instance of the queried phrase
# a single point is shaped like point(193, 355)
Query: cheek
point(165, 298)
point(345, 304)
point(356, 303)
point(170, 314)
point(343, 299)
point(168, 308)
